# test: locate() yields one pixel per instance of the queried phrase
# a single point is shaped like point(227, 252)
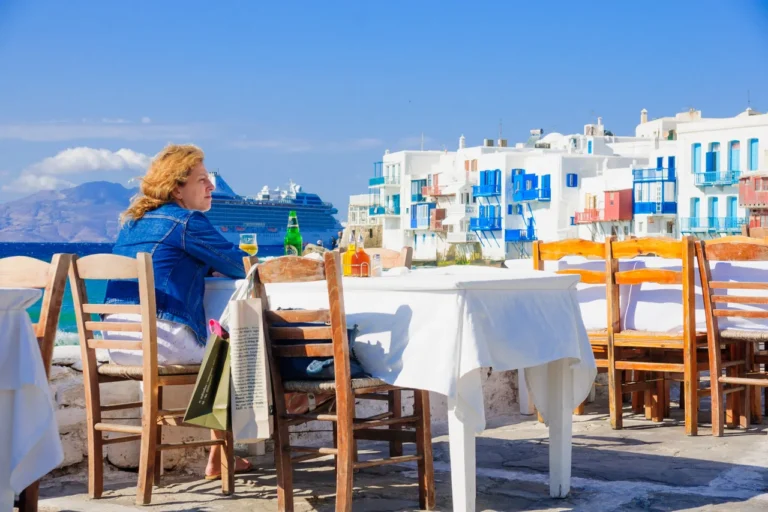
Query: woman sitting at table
point(166, 221)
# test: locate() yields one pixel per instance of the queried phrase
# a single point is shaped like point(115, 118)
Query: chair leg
point(29, 497)
point(638, 405)
point(579, 410)
point(691, 376)
point(159, 434)
point(396, 408)
point(667, 397)
point(614, 398)
point(426, 469)
point(345, 412)
point(228, 464)
point(148, 448)
point(95, 455)
point(716, 392)
point(657, 396)
point(283, 466)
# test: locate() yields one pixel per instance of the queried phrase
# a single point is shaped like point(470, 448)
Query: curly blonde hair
point(169, 169)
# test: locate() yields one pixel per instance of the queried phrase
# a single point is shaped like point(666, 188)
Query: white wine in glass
point(249, 244)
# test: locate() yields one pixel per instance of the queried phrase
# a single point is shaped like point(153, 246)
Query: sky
point(317, 91)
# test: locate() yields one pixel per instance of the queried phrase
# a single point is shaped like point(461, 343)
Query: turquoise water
point(67, 330)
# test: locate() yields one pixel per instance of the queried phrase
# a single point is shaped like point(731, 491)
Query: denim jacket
point(184, 246)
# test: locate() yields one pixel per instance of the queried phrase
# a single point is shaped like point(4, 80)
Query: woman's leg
point(214, 458)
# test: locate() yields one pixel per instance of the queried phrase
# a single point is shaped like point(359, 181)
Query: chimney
point(643, 116)
point(488, 143)
point(599, 121)
point(502, 143)
point(462, 142)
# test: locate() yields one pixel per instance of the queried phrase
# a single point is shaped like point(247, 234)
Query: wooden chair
point(740, 348)
point(282, 335)
point(25, 272)
point(153, 375)
point(391, 258)
point(553, 251)
point(658, 355)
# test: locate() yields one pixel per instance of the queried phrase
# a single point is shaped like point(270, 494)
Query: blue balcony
point(417, 198)
point(383, 210)
point(711, 224)
point(651, 208)
point(534, 194)
point(716, 178)
point(519, 235)
point(379, 181)
point(420, 223)
point(485, 224)
point(486, 190)
point(662, 174)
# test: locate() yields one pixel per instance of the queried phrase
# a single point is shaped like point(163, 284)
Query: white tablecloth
point(433, 329)
point(29, 436)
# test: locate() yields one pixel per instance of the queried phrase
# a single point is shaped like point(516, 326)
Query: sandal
point(248, 467)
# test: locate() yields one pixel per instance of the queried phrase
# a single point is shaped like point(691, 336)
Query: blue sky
point(316, 91)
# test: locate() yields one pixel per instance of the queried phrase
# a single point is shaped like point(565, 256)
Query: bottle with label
point(376, 266)
point(346, 258)
point(293, 236)
point(361, 260)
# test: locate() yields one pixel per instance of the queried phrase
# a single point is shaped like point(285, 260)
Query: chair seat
point(137, 372)
point(328, 386)
point(744, 335)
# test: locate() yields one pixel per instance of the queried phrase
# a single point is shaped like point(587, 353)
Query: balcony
point(662, 174)
point(716, 178)
point(534, 194)
point(485, 224)
point(653, 208)
point(384, 181)
point(486, 190)
point(519, 235)
point(711, 224)
point(383, 210)
point(588, 216)
point(432, 190)
point(461, 238)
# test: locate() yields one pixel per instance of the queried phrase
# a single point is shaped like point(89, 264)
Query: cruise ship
point(266, 215)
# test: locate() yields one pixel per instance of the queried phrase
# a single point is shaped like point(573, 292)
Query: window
point(571, 180)
point(610, 198)
point(734, 155)
point(752, 155)
point(713, 157)
point(509, 209)
point(626, 230)
point(640, 227)
point(696, 158)
point(589, 147)
point(670, 227)
point(474, 165)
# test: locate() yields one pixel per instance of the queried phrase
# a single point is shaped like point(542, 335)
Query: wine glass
point(249, 244)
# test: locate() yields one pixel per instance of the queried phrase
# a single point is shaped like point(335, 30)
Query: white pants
point(176, 343)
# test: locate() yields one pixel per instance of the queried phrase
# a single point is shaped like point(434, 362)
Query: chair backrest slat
point(114, 344)
point(299, 333)
point(297, 316)
point(108, 309)
point(107, 266)
point(735, 285)
point(291, 269)
point(740, 313)
point(661, 247)
point(113, 326)
point(553, 251)
point(307, 350)
point(649, 275)
point(25, 272)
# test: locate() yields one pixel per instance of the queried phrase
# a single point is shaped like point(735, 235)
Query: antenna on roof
point(499, 128)
point(422, 141)
point(749, 100)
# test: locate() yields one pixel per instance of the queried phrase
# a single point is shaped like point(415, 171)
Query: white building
point(666, 180)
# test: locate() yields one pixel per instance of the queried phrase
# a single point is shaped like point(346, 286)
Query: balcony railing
point(485, 223)
point(711, 224)
point(460, 238)
point(379, 181)
point(383, 210)
point(589, 215)
point(519, 235)
point(436, 225)
point(432, 190)
point(486, 190)
point(653, 208)
point(420, 223)
point(716, 178)
point(663, 174)
point(534, 194)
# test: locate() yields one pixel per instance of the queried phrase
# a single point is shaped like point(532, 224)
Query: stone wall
point(68, 395)
point(372, 235)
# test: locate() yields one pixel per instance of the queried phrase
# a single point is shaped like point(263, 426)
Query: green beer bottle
point(293, 236)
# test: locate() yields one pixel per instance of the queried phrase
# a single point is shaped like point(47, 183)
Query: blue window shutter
point(671, 162)
point(696, 160)
point(545, 181)
point(659, 162)
point(509, 209)
point(589, 147)
point(710, 165)
point(752, 164)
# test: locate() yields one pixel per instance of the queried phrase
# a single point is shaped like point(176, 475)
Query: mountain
point(87, 213)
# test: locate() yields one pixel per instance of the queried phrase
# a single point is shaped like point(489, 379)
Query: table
point(433, 329)
point(29, 436)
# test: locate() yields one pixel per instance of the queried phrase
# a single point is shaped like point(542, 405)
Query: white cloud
point(83, 159)
point(44, 175)
point(32, 183)
point(117, 129)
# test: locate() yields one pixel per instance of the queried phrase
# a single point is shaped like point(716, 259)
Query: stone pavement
point(646, 466)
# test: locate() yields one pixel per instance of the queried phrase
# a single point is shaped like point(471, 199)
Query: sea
point(67, 331)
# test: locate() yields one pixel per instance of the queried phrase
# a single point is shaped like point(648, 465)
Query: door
point(694, 219)
point(712, 213)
